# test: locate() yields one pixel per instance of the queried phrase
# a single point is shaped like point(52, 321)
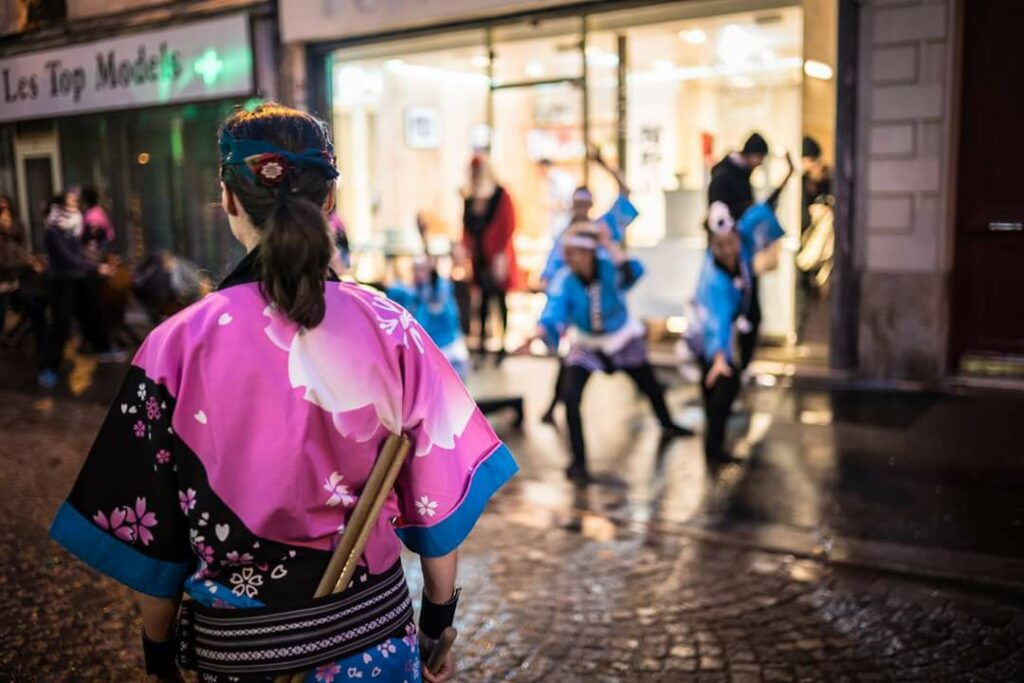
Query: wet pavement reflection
point(922, 470)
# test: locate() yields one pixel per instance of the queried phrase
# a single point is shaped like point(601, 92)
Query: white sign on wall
point(198, 61)
point(311, 20)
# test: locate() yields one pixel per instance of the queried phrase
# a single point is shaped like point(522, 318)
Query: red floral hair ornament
point(269, 168)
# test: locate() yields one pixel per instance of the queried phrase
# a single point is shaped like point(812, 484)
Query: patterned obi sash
point(273, 640)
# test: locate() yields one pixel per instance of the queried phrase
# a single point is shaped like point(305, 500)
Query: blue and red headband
point(267, 164)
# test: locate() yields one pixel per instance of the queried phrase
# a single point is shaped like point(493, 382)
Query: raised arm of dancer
point(773, 199)
point(594, 154)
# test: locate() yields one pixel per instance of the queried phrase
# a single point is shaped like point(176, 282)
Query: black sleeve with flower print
point(123, 516)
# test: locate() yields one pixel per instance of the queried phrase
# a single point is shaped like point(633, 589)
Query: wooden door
point(988, 314)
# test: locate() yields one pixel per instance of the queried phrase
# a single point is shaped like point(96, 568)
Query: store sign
point(311, 20)
point(199, 61)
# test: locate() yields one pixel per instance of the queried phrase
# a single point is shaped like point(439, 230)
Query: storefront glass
point(674, 89)
point(157, 172)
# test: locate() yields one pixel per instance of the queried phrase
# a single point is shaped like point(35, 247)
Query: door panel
point(989, 258)
point(39, 191)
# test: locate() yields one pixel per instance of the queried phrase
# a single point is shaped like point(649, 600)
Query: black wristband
point(435, 618)
point(161, 658)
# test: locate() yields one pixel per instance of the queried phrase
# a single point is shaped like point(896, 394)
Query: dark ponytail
point(295, 253)
point(295, 246)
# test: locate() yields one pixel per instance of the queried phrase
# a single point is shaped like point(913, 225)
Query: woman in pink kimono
point(243, 436)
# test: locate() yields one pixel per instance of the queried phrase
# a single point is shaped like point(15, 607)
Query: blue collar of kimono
point(268, 164)
point(248, 271)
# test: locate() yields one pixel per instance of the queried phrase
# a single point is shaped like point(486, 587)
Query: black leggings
point(747, 341)
point(571, 388)
point(717, 409)
point(487, 295)
point(72, 299)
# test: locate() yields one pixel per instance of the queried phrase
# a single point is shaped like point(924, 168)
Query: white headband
point(581, 241)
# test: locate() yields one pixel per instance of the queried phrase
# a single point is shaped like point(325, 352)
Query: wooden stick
point(360, 514)
point(345, 557)
point(441, 649)
point(380, 497)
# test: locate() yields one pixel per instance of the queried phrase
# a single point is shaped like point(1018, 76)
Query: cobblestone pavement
point(549, 594)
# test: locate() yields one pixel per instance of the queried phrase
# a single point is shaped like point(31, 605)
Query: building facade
point(125, 97)
point(902, 96)
point(928, 233)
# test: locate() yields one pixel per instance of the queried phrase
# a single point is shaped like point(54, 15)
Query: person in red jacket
point(488, 225)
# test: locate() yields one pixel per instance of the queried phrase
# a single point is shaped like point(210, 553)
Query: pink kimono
point(239, 445)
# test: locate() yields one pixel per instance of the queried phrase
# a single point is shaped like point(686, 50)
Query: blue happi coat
point(619, 217)
point(433, 307)
point(759, 228)
point(721, 297)
point(595, 308)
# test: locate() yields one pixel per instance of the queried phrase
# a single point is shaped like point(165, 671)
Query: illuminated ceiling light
point(209, 66)
point(736, 45)
point(143, 158)
point(694, 36)
point(816, 69)
point(394, 63)
point(534, 69)
point(479, 61)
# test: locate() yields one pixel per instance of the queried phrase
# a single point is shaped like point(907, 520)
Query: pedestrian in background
point(21, 281)
point(246, 431)
point(730, 177)
point(97, 228)
point(488, 225)
point(68, 292)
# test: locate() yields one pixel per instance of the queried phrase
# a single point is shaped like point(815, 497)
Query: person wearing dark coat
point(730, 177)
point(69, 296)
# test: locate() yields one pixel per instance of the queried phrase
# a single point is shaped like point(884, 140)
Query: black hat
point(811, 149)
point(755, 144)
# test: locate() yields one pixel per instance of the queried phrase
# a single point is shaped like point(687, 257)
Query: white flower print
point(353, 672)
point(339, 492)
point(246, 582)
point(386, 649)
point(364, 393)
point(142, 391)
point(399, 321)
point(426, 507)
point(233, 559)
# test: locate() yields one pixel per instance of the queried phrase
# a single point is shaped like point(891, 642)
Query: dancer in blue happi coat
point(617, 218)
point(431, 301)
point(586, 298)
point(725, 298)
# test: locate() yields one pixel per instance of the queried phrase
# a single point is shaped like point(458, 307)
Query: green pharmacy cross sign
point(209, 66)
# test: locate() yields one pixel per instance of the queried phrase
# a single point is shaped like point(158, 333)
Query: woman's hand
point(447, 669)
point(719, 368)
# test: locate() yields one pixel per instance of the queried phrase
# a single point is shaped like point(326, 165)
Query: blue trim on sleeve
point(118, 560)
point(444, 537)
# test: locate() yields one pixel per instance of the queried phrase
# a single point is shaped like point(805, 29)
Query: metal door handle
point(1002, 226)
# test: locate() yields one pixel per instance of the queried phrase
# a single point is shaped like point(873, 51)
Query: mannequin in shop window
point(488, 226)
